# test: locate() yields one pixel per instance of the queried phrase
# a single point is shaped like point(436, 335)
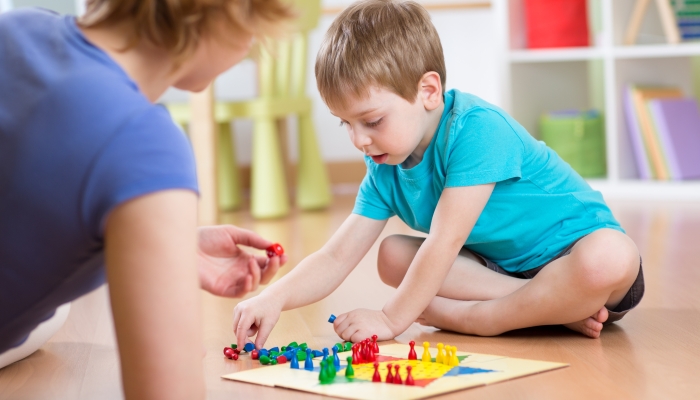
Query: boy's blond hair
point(177, 25)
point(388, 44)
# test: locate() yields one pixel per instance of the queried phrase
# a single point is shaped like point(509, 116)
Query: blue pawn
point(249, 347)
point(317, 353)
point(294, 363)
point(277, 349)
point(325, 353)
point(336, 359)
point(331, 319)
point(309, 362)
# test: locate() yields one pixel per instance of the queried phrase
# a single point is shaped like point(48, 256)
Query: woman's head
point(217, 32)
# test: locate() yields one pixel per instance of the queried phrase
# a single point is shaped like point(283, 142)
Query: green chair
point(282, 86)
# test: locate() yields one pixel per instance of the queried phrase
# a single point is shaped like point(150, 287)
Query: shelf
point(631, 189)
point(555, 55)
point(657, 51)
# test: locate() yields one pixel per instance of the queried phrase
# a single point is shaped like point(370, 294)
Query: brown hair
point(386, 43)
point(177, 25)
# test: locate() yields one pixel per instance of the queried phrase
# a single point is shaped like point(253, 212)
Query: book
point(640, 154)
point(677, 122)
point(640, 96)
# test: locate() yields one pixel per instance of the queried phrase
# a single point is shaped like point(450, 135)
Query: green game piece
point(233, 345)
point(264, 360)
point(274, 353)
point(303, 346)
point(323, 374)
point(348, 346)
point(273, 361)
point(293, 345)
point(283, 349)
point(301, 355)
point(331, 367)
point(349, 371)
point(340, 347)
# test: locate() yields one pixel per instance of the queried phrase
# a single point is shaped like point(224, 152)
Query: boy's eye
point(374, 123)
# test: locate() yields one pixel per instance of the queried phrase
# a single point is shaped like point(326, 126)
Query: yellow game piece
point(439, 358)
point(447, 356)
point(455, 360)
point(426, 352)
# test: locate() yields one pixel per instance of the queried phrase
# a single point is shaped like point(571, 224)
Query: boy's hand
point(360, 324)
point(255, 315)
point(225, 269)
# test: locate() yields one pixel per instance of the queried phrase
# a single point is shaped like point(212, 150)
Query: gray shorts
point(631, 299)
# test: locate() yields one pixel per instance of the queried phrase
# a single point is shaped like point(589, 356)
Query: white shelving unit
point(536, 81)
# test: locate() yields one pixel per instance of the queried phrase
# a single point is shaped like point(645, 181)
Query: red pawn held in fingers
point(376, 377)
point(409, 377)
point(375, 346)
point(397, 375)
point(389, 376)
point(274, 250)
point(412, 353)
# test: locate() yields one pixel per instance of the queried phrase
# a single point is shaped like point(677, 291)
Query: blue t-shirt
point(77, 138)
point(539, 204)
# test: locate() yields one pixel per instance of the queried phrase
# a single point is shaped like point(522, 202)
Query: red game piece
point(228, 352)
point(274, 250)
point(376, 377)
point(234, 356)
point(254, 355)
point(409, 377)
point(389, 376)
point(281, 359)
point(237, 351)
point(355, 355)
point(412, 353)
point(397, 375)
point(375, 346)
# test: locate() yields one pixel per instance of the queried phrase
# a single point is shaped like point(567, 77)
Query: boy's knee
point(609, 260)
point(387, 260)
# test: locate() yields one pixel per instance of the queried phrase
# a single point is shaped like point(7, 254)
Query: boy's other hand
point(227, 270)
point(360, 324)
point(255, 315)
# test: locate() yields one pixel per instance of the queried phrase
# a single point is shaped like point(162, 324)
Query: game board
point(431, 378)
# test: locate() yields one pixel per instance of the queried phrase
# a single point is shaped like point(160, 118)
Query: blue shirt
point(77, 138)
point(539, 204)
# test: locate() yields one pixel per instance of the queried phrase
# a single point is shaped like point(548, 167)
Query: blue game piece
point(263, 352)
point(317, 353)
point(336, 359)
point(308, 363)
point(277, 349)
point(331, 318)
point(249, 347)
point(325, 353)
point(288, 354)
point(294, 362)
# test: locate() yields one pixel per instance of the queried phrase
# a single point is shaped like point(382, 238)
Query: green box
point(579, 139)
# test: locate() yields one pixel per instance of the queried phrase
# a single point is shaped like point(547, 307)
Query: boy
point(515, 237)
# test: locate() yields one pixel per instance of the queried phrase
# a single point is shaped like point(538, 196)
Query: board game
point(431, 378)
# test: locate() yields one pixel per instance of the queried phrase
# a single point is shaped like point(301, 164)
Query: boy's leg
point(468, 278)
point(598, 273)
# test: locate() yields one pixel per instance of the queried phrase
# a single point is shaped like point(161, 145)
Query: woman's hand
point(227, 270)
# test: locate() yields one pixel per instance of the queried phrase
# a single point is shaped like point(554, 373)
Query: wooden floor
point(653, 353)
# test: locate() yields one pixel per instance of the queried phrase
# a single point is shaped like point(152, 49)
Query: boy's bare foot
point(446, 314)
point(592, 325)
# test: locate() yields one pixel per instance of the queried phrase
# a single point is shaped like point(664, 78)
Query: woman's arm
point(150, 255)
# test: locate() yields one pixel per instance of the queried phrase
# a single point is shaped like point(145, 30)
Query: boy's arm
point(457, 211)
point(150, 256)
point(314, 278)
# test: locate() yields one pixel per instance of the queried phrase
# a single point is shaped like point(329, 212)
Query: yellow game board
point(431, 378)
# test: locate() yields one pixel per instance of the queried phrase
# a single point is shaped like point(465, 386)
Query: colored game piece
point(308, 363)
point(340, 347)
point(281, 359)
point(228, 352)
point(409, 377)
point(375, 346)
point(426, 353)
point(376, 377)
point(448, 355)
point(274, 250)
point(237, 351)
point(234, 356)
point(277, 349)
point(263, 352)
point(264, 360)
point(249, 347)
point(325, 353)
point(331, 319)
point(331, 368)
point(350, 371)
point(301, 355)
point(233, 345)
point(412, 353)
point(348, 346)
point(336, 359)
point(273, 361)
point(397, 375)
point(303, 346)
point(454, 361)
point(227, 349)
point(323, 373)
point(254, 355)
point(440, 359)
point(294, 362)
point(293, 345)
point(355, 355)
point(389, 375)
point(283, 349)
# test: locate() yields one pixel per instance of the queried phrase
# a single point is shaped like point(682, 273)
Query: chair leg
point(268, 186)
point(227, 170)
point(313, 189)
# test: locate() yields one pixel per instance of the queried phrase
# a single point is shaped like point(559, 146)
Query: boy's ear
point(430, 90)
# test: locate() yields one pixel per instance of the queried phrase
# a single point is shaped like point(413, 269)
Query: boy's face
point(385, 126)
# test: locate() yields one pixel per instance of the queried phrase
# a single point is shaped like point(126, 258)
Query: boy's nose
point(361, 140)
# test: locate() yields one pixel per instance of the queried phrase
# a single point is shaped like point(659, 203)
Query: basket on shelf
point(579, 139)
